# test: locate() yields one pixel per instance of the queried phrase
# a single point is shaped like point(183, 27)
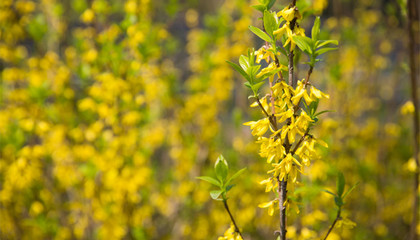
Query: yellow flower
point(407, 108)
point(264, 53)
point(345, 222)
point(272, 66)
point(230, 234)
point(263, 102)
point(289, 13)
point(318, 94)
point(285, 167)
point(272, 205)
point(259, 127)
point(300, 92)
point(271, 149)
point(87, 16)
point(269, 185)
point(297, 31)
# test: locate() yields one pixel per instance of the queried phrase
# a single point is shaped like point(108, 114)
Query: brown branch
point(231, 218)
point(282, 191)
point(413, 20)
point(291, 68)
point(333, 224)
point(261, 106)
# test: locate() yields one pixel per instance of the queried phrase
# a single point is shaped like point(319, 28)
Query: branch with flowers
point(289, 108)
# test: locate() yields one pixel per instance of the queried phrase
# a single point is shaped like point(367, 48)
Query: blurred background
point(110, 109)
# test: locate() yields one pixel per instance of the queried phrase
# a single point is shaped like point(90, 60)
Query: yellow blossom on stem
point(259, 127)
point(264, 53)
point(270, 184)
point(230, 234)
point(272, 205)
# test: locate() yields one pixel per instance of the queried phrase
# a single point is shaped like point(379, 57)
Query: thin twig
point(231, 218)
point(261, 106)
point(333, 224)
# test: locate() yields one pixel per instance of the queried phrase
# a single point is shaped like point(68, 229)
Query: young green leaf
point(315, 28)
point(229, 187)
point(322, 43)
point(329, 192)
point(244, 62)
point(210, 180)
point(304, 43)
point(236, 175)
point(340, 184)
point(324, 50)
point(221, 168)
point(350, 189)
point(215, 194)
point(322, 112)
point(248, 85)
point(239, 69)
point(260, 33)
point(270, 24)
point(270, 4)
point(257, 87)
point(260, 8)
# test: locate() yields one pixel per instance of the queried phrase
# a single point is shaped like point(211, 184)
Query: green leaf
point(270, 4)
point(244, 62)
point(324, 50)
point(351, 189)
point(260, 33)
point(210, 180)
point(269, 74)
point(269, 23)
point(260, 8)
point(252, 71)
point(236, 175)
point(239, 69)
point(329, 192)
point(340, 184)
point(247, 84)
point(215, 194)
point(229, 187)
point(280, 49)
point(221, 168)
point(321, 43)
point(257, 86)
point(304, 43)
point(315, 28)
point(322, 112)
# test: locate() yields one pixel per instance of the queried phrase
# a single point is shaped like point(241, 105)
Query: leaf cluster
point(312, 46)
point(339, 196)
point(222, 181)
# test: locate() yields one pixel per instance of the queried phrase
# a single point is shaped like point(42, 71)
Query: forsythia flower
point(286, 166)
point(270, 184)
point(230, 234)
point(264, 53)
point(345, 222)
point(407, 108)
point(259, 127)
point(289, 13)
point(272, 205)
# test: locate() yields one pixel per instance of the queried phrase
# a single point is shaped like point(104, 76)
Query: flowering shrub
point(109, 110)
